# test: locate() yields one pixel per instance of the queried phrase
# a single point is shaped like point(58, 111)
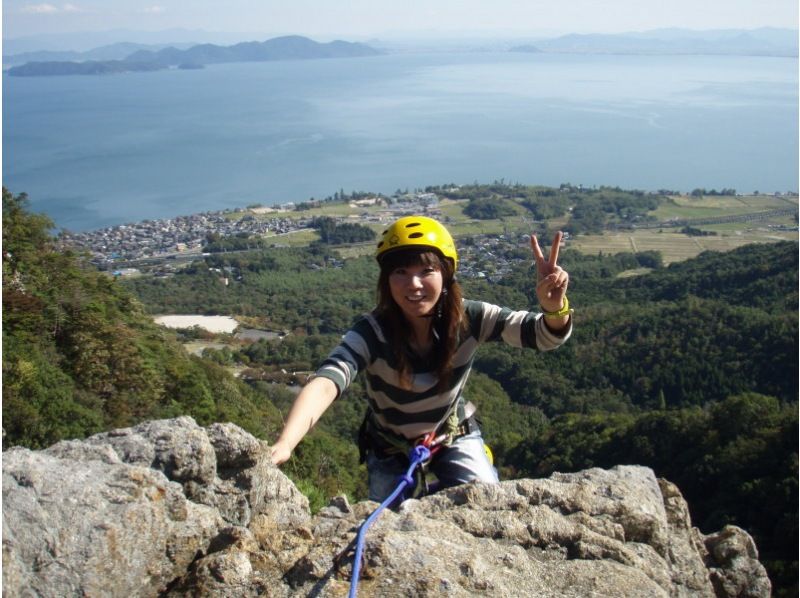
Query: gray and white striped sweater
point(420, 409)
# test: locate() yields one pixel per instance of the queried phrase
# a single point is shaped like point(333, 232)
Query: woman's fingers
point(554, 250)
point(556, 279)
point(553, 279)
point(561, 278)
point(279, 453)
point(538, 254)
point(537, 251)
point(551, 290)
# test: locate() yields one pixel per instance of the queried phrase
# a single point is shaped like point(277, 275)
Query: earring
point(442, 299)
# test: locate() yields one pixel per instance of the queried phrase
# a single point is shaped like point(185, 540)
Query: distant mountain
point(84, 41)
point(281, 48)
point(293, 47)
point(116, 51)
point(756, 42)
point(786, 37)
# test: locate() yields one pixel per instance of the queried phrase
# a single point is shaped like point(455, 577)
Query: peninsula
point(293, 47)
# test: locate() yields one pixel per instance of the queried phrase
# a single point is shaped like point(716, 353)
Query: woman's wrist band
point(564, 311)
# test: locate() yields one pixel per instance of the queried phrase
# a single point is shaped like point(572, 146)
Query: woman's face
point(416, 289)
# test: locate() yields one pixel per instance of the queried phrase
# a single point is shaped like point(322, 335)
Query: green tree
point(80, 354)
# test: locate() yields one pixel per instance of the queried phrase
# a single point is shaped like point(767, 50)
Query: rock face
point(168, 508)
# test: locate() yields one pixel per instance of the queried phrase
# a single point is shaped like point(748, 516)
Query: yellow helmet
point(417, 231)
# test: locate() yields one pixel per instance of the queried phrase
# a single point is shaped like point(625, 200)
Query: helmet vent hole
point(416, 235)
point(412, 224)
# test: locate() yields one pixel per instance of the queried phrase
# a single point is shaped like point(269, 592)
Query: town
point(123, 249)
point(187, 235)
point(125, 243)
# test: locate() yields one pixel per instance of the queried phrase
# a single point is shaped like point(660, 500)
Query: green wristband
point(564, 311)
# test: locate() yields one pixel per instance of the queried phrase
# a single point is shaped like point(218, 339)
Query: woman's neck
point(421, 339)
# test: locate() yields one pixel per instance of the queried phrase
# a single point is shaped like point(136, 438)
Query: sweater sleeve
point(350, 356)
point(490, 322)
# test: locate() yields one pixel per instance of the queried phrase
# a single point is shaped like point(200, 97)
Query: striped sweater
point(420, 409)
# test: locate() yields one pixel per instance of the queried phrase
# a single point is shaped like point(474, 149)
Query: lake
point(95, 151)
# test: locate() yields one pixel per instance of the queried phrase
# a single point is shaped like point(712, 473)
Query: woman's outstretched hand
point(280, 452)
point(316, 396)
point(551, 279)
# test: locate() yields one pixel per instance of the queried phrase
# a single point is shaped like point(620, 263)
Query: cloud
point(49, 9)
point(39, 9)
point(154, 10)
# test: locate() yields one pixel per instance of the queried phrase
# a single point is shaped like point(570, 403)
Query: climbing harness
point(459, 421)
point(420, 454)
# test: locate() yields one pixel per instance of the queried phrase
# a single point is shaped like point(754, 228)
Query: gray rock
point(169, 508)
point(733, 564)
point(73, 528)
point(178, 447)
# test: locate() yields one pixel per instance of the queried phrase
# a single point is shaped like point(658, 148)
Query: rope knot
point(420, 454)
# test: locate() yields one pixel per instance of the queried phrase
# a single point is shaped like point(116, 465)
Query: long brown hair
point(448, 314)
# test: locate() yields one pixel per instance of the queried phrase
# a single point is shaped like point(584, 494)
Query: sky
point(364, 19)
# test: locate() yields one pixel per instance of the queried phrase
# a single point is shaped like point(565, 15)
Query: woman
point(416, 349)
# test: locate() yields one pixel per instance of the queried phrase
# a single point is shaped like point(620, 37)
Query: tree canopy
point(81, 355)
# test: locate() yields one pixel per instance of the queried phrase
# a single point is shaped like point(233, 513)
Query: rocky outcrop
point(169, 508)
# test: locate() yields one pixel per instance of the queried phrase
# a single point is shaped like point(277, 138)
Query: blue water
point(97, 151)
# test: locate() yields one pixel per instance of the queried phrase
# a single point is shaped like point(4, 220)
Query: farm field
point(298, 238)
point(686, 207)
point(674, 246)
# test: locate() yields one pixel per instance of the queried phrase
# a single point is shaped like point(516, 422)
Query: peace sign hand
point(551, 279)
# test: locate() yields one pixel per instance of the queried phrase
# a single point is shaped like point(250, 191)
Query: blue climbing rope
point(419, 454)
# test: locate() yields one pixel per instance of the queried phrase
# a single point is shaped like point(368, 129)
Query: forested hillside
point(297, 288)
point(588, 209)
point(81, 355)
point(690, 369)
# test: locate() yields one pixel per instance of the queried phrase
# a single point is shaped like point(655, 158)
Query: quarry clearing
point(216, 324)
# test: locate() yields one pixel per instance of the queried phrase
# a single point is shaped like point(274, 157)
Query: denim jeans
point(463, 461)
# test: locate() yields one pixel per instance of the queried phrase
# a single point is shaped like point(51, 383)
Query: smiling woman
point(416, 289)
point(416, 350)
